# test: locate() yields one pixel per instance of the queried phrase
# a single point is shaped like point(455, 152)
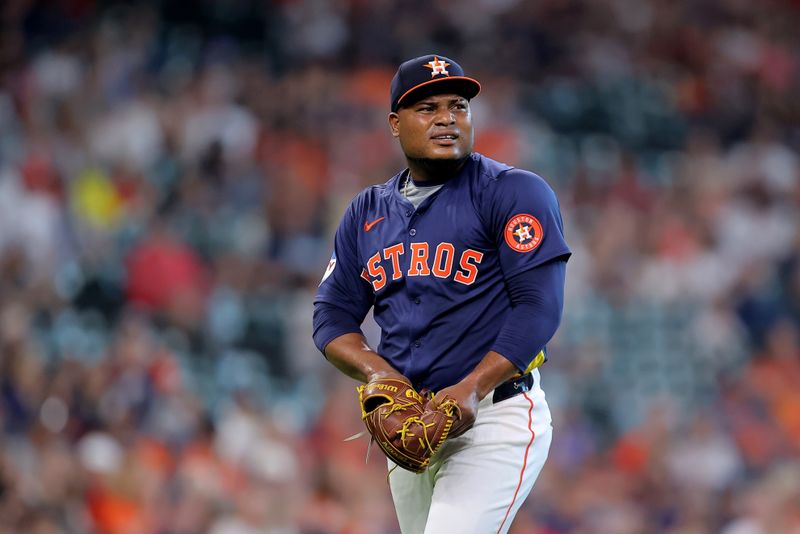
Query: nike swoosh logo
point(368, 226)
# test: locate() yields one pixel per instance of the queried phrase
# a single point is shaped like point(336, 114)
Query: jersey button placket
point(412, 219)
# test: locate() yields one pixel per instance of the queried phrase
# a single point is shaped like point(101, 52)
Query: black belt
point(512, 387)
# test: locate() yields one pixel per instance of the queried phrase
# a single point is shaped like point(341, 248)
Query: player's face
point(435, 127)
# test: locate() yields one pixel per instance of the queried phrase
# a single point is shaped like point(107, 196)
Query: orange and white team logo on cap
point(523, 232)
point(438, 66)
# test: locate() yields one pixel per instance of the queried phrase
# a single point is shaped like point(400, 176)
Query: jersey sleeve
point(525, 219)
point(342, 284)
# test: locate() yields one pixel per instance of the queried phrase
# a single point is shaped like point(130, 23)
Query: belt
point(512, 387)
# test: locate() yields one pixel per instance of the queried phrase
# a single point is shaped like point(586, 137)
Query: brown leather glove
point(395, 415)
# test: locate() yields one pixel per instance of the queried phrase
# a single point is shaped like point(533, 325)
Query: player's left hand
point(465, 396)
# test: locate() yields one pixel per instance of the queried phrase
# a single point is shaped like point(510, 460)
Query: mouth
point(445, 139)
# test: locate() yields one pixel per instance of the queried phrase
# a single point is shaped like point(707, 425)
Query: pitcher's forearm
point(490, 372)
point(351, 354)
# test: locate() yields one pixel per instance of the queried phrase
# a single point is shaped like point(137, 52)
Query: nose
point(445, 117)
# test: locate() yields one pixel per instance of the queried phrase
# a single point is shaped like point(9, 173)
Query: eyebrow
point(432, 102)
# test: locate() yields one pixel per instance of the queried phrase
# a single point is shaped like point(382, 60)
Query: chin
point(446, 154)
point(453, 156)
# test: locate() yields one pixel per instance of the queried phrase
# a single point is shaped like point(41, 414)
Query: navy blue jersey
point(436, 275)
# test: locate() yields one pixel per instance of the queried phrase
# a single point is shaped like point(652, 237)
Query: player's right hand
point(465, 396)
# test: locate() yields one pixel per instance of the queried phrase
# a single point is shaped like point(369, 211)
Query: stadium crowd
point(170, 176)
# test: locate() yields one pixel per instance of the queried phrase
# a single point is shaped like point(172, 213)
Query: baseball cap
point(430, 74)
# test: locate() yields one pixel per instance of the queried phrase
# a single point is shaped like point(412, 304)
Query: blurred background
point(171, 174)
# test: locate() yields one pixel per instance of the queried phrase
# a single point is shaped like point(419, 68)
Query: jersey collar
point(397, 181)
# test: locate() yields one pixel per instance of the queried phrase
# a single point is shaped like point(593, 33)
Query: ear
point(394, 124)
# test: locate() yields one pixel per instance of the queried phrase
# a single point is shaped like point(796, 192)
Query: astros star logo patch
point(523, 232)
point(438, 66)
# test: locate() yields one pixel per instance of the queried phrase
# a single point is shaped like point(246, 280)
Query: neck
point(434, 171)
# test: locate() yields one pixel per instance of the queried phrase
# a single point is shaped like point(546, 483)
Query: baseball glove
point(395, 415)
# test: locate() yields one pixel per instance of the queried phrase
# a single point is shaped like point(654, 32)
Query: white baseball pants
point(476, 482)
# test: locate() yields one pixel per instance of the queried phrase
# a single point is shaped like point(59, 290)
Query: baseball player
point(463, 261)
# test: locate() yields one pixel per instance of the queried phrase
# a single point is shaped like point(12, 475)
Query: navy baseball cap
point(427, 75)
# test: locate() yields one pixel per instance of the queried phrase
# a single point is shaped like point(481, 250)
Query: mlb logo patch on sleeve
point(329, 270)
